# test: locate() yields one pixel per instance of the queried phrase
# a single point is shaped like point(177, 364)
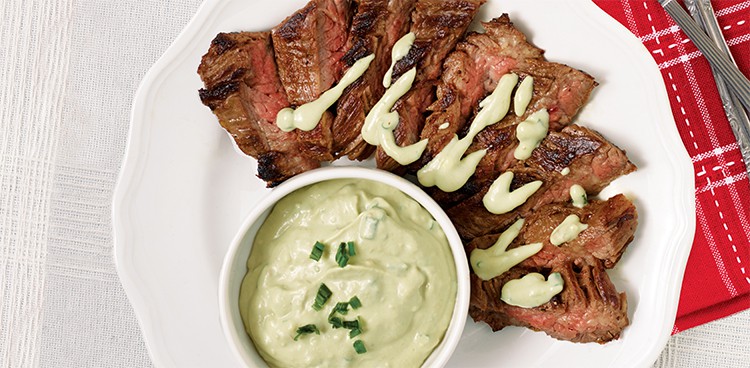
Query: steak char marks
point(243, 90)
point(593, 162)
point(308, 46)
point(376, 26)
point(473, 71)
point(470, 73)
point(250, 76)
point(437, 25)
point(589, 309)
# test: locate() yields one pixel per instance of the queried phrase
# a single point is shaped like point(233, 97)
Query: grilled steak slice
point(243, 90)
point(437, 25)
point(470, 73)
point(553, 84)
point(473, 71)
point(276, 166)
point(241, 65)
point(560, 89)
point(589, 309)
point(593, 164)
point(376, 26)
point(308, 46)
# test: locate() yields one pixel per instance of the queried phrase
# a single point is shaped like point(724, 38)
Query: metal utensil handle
point(734, 78)
point(703, 13)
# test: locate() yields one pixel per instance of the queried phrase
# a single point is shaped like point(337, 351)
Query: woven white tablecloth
point(68, 73)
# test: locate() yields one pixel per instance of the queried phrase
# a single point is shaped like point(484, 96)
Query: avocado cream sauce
point(523, 95)
point(307, 116)
point(402, 273)
point(381, 122)
point(449, 170)
point(567, 230)
point(578, 196)
point(496, 260)
point(532, 290)
point(530, 133)
point(500, 199)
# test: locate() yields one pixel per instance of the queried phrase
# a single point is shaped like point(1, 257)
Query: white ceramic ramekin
point(234, 267)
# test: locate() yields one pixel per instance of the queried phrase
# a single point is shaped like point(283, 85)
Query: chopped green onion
point(306, 330)
point(350, 246)
point(359, 347)
point(342, 256)
point(351, 325)
point(354, 302)
point(317, 251)
point(354, 332)
point(340, 307)
point(322, 297)
point(336, 322)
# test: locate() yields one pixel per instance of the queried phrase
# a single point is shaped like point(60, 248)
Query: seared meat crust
point(437, 25)
point(589, 309)
point(593, 162)
point(243, 90)
point(308, 46)
point(376, 26)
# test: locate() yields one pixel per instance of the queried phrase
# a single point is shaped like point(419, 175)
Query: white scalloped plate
point(184, 190)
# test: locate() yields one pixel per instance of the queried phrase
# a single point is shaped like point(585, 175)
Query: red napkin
point(717, 278)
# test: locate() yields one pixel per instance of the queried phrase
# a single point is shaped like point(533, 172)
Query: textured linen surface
point(68, 72)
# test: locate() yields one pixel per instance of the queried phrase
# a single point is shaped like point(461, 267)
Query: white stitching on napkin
point(708, 124)
point(733, 8)
point(629, 16)
point(714, 251)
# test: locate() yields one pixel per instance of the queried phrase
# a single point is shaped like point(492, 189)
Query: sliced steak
point(473, 71)
point(589, 309)
point(243, 90)
point(376, 26)
point(277, 166)
point(552, 84)
point(470, 73)
point(437, 25)
point(308, 46)
point(593, 162)
point(558, 88)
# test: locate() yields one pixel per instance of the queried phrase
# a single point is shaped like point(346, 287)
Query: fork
point(734, 78)
point(704, 16)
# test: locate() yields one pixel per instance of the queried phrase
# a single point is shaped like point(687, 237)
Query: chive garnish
point(322, 297)
point(317, 251)
point(351, 325)
point(342, 256)
point(354, 332)
point(341, 308)
point(306, 330)
point(354, 302)
point(350, 246)
point(336, 322)
point(359, 347)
